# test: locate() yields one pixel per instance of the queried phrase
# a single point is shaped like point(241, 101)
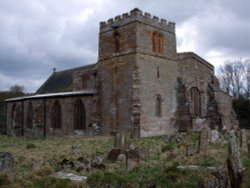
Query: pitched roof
point(61, 81)
point(186, 55)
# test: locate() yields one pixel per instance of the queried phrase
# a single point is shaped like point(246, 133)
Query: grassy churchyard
point(38, 162)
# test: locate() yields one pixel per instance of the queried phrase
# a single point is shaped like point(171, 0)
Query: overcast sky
point(38, 35)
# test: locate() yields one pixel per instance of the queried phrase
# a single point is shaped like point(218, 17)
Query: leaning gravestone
point(7, 164)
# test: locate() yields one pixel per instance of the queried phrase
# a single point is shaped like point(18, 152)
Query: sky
point(39, 35)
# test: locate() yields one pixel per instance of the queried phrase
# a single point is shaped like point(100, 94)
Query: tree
point(17, 89)
point(234, 78)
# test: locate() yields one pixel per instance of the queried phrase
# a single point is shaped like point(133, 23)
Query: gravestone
point(217, 178)
point(215, 136)
point(122, 140)
point(191, 150)
point(7, 164)
point(121, 145)
point(114, 154)
point(237, 173)
point(76, 149)
point(203, 140)
point(243, 138)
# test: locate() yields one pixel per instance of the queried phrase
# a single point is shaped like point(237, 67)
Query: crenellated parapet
point(139, 16)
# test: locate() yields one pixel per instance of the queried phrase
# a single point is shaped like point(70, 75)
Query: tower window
point(157, 42)
point(117, 41)
point(158, 106)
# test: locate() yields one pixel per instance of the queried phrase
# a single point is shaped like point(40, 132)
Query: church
point(140, 84)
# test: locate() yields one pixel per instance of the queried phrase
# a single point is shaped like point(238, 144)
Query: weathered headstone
point(236, 172)
point(191, 150)
point(7, 164)
point(98, 163)
point(217, 178)
point(243, 138)
point(203, 140)
point(215, 136)
point(122, 140)
point(75, 149)
point(113, 154)
point(179, 139)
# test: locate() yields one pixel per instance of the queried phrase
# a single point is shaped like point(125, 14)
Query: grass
point(36, 160)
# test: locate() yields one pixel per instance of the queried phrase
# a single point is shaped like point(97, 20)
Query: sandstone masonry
point(140, 84)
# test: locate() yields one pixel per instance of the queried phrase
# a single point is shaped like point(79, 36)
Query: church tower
point(137, 72)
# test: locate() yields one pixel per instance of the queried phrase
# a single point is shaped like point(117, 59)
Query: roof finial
point(54, 70)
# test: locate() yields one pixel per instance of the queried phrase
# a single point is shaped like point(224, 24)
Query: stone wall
point(83, 79)
point(42, 116)
point(225, 109)
point(153, 85)
point(116, 79)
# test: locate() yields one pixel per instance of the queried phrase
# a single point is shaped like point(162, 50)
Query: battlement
point(137, 15)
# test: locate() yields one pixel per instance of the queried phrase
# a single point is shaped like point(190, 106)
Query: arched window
point(160, 43)
point(79, 115)
point(195, 105)
point(29, 119)
point(56, 115)
point(158, 106)
point(154, 42)
point(117, 41)
point(157, 42)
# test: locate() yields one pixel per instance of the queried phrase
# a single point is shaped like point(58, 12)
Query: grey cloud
point(36, 36)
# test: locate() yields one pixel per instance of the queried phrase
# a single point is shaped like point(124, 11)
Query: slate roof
point(61, 81)
point(51, 95)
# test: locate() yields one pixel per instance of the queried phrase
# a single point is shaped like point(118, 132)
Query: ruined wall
point(228, 116)
point(195, 72)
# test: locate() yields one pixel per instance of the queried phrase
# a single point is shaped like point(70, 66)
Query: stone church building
point(139, 84)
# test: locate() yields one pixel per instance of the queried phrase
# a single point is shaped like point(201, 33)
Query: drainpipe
point(44, 117)
point(22, 118)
